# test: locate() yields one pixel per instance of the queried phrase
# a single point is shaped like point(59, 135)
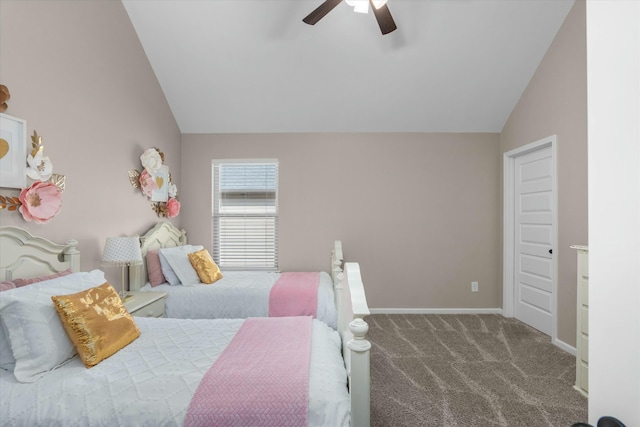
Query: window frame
point(268, 259)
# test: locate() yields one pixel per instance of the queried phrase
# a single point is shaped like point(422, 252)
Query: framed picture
point(162, 180)
point(13, 152)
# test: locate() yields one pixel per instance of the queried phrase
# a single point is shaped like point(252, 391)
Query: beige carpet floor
point(469, 370)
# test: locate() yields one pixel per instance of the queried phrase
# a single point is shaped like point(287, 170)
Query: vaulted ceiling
point(230, 66)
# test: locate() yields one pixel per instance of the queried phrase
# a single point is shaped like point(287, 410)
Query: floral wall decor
point(4, 97)
point(42, 200)
point(155, 183)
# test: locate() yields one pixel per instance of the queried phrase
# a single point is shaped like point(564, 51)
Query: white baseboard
point(435, 310)
point(564, 346)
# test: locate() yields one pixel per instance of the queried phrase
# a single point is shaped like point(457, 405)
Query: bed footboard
point(352, 308)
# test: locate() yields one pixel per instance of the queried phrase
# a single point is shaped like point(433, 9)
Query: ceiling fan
point(379, 7)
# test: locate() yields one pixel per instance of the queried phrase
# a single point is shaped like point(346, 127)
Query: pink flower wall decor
point(40, 202)
point(147, 183)
point(173, 208)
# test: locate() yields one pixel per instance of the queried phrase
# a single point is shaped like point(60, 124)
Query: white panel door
point(534, 228)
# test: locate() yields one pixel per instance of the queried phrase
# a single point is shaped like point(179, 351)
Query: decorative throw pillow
point(6, 285)
point(205, 266)
point(35, 335)
point(24, 282)
point(154, 269)
point(97, 322)
point(176, 258)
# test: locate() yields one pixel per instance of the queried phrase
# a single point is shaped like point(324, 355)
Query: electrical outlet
point(474, 286)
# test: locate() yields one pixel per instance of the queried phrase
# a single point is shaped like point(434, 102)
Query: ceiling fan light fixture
point(378, 3)
point(379, 7)
point(362, 6)
point(359, 6)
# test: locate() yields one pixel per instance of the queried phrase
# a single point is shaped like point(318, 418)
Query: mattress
point(238, 295)
point(151, 381)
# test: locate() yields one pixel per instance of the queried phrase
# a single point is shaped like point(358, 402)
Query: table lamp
point(122, 252)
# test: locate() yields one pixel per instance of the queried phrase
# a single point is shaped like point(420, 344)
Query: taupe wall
point(420, 212)
point(78, 75)
point(555, 103)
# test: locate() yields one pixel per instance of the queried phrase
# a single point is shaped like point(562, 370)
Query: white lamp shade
point(121, 251)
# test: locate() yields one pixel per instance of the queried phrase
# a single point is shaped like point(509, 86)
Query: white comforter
point(238, 295)
point(151, 381)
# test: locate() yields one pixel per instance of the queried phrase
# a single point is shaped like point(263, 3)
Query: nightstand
point(146, 304)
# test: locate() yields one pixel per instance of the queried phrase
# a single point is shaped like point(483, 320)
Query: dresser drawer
point(155, 309)
point(582, 320)
point(584, 349)
point(147, 304)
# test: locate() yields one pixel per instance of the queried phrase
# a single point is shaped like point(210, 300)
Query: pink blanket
point(294, 294)
point(260, 379)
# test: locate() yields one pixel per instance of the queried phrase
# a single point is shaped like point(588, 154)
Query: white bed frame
point(352, 308)
point(27, 256)
point(166, 235)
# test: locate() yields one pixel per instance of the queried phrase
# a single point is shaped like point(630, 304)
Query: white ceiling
point(230, 66)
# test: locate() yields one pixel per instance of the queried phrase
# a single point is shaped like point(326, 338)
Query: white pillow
point(7, 361)
point(37, 338)
point(168, 273)
point(178, 262)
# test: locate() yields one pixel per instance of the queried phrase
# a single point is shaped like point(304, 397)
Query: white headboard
point(162, 235)
point(26, 256)
point(337, 260)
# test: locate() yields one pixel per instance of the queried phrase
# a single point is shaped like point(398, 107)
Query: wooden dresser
point(582, 325)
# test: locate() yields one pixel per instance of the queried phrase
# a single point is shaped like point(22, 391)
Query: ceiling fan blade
point(321, 11)
point(384, 18)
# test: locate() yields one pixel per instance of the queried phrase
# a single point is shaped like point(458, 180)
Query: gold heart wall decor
point(4, 147)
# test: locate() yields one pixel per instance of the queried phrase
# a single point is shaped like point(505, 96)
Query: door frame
point(508, 219)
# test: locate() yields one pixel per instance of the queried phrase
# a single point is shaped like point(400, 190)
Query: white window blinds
point(245, 214)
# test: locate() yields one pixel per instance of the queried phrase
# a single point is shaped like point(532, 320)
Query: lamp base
point(126, 297)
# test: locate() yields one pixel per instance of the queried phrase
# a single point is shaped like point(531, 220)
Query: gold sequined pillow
point(97, 322)
point(207, 270)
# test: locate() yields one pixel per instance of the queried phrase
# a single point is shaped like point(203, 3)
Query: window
point(245, 214)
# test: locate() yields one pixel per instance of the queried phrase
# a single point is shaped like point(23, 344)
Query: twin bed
point(160, 378)
point(237, 295)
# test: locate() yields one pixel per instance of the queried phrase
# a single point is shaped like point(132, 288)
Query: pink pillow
point(23, 282)
point(6, 285)
point(154, 269)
